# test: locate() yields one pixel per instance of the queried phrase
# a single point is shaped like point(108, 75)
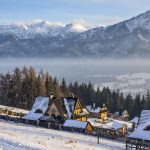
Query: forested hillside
point(20, 88)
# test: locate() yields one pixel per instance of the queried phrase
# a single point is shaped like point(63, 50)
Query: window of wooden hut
point(38, 111)
point(147, 128)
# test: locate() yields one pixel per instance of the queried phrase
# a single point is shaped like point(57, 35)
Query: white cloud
point(98, 20)
point(110, 20)
point(80, 21)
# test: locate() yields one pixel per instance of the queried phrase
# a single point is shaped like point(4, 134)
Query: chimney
point(71, 95)
point(94, 105)
point(51, 95)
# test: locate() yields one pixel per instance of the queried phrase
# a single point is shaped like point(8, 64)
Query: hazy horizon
point(128, 75)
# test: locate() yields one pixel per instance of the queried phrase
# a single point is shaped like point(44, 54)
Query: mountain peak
point(76, 27)
point(45, 23)
point(140, 21)
point(24, 27)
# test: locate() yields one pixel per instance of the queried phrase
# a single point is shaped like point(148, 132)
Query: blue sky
point(92, 12)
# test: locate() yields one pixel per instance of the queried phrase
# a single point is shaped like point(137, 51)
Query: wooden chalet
point(66, 108)
point(99, 113)
point(140, 138)
point(125, 115)
point(78, 126)
point(57, 109)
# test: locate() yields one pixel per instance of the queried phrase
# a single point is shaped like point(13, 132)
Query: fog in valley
point(128, 75)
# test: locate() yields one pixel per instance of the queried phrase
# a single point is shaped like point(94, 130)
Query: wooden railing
point(137, 144)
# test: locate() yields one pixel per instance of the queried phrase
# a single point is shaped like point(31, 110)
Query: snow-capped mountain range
point(41, 28)
point(130, 38)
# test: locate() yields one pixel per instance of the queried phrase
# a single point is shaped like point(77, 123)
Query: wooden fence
point(99, 132)
point(43, 124)
point(137, 144)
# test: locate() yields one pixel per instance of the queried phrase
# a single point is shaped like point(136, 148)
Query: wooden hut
point(125, 115)
point(66, 108)
point(97, 112)
point(57, 109)
point(78, 126)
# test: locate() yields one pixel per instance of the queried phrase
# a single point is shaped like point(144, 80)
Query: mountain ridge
point(129, 38)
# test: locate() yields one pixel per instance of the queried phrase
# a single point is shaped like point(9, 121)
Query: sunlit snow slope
point(20, 137)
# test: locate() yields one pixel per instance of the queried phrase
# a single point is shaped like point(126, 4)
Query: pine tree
point(40, 85)
point(137, 105)
point(16, 87)
point(25, 88)
point(57, 91)
point(49, 85)
point(148, 100)
point(98, 97)
point(114, 107)
point(31, 89)
point(129, 105)
point(63, 87)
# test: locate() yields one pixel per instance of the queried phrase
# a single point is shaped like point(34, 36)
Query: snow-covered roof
point(94, 110)
point(69, 105)
point(145, 115)
point(117, 125)
point(127, 123)
point(140, 132)
point(41, 103)
point(98, 123)
point(110, 124)
point(125, 113)
point(75, 123)
point(135, 120)
point(65, 105)
point(85, 112)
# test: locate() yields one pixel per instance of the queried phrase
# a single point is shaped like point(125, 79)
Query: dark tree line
point(115, 100)
point(20, 88)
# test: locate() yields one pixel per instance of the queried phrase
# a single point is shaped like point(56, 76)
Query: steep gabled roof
point(65, 105)
point(141, 132)
point(144, 117)
point(93, 110)
point(41, 103)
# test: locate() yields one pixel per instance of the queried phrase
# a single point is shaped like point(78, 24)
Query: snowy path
point(20, 137)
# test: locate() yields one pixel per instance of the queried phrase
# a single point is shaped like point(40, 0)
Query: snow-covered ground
point(128, 83)
point(20, 137)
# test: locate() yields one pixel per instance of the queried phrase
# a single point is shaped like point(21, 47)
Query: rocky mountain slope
point(130, 38)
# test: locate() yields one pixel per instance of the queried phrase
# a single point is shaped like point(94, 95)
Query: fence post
point(49, 125)
point(7, 117)
point(59, 126)
point(37, 123)
point(126, 144)
point(16, 119)
point(72, 129)
point(98, 138)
